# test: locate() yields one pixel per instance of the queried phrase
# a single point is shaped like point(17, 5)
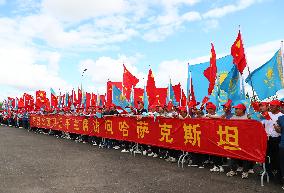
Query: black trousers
point(273, 153)
point(281, 161)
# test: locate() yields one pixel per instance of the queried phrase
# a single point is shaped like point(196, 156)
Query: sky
point(48, 43)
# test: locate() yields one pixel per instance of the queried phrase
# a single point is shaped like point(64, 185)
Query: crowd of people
point(272, 118)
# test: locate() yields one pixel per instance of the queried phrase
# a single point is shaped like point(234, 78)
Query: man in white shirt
point(273, 138)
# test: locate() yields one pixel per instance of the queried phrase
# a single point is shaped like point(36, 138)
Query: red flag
point(138, 95)
point(151, 88)
point(238, 53)
point(177, 91)
point(94, 100)
point(54, 101)
point(79, 97)
point(183, 99)
point(266, 115)
point(129, 81)
point(88, 99)
point(21, 103)
point(109, 90)
point(161, 96)
point(211, 72)
point(204, 101)
point(41, 99)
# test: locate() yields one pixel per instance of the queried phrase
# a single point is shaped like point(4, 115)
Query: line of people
point(274, 127)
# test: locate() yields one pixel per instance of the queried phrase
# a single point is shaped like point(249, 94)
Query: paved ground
point(37, 163)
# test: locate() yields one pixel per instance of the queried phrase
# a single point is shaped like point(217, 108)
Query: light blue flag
point(66, 99)
point(52, 91)
point(118, 98)
point(171, 95)
point(201, 83)
point(231, 85)
point(145, 99)
point(268, 78)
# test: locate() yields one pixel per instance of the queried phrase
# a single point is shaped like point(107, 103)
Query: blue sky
point(48, 43)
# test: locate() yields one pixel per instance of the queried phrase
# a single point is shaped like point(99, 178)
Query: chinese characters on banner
point(242, 139)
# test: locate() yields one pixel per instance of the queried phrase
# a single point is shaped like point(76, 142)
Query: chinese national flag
point(151, 88)
point(138, 95)
point(177, 91)
point(54, 101)
point(21, 103)
point(109, 90)
point(211, 72)
point(161, 97)
point(238, 53)
point(94, 100)
point(88, 99)
point(183, 99)
point(129, 81)
point(41, 99)
point(79, 100)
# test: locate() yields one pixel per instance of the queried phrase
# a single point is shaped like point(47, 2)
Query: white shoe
point(231, 173)
point(151, 154)
point(240, 169)
point(155, 155)
point(137, 151)
point(221, 169)
point(245, 175)
point(251, 171)
point(215, 169)
point(207, 162)
point(201, 167)
point(172, 159)
point(192, 165)
point(116, 147)
point(124, 151)
point(168, 159)
point(144, 152)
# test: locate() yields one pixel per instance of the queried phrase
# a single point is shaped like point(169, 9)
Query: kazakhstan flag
point(200, 83)
point(268, 78)
point(118, 98)
point(231, 85)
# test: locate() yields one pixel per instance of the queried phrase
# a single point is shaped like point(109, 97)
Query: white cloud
point(75, 10)
point(20, 70)
point(24, 67)
point(107, 68)
point(222, 11)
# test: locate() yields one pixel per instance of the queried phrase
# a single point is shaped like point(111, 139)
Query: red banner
point(242, 139)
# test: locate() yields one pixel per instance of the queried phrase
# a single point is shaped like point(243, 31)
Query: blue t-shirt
point(281, 124)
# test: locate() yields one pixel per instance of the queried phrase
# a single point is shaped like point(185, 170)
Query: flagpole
point(253, 92)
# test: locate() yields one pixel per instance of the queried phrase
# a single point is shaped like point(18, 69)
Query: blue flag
point(145, 99)
point(171, 95)
point(231, 85)
point(66, 99)
point(268, 78)
point(200, 82)
point(118, 98)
